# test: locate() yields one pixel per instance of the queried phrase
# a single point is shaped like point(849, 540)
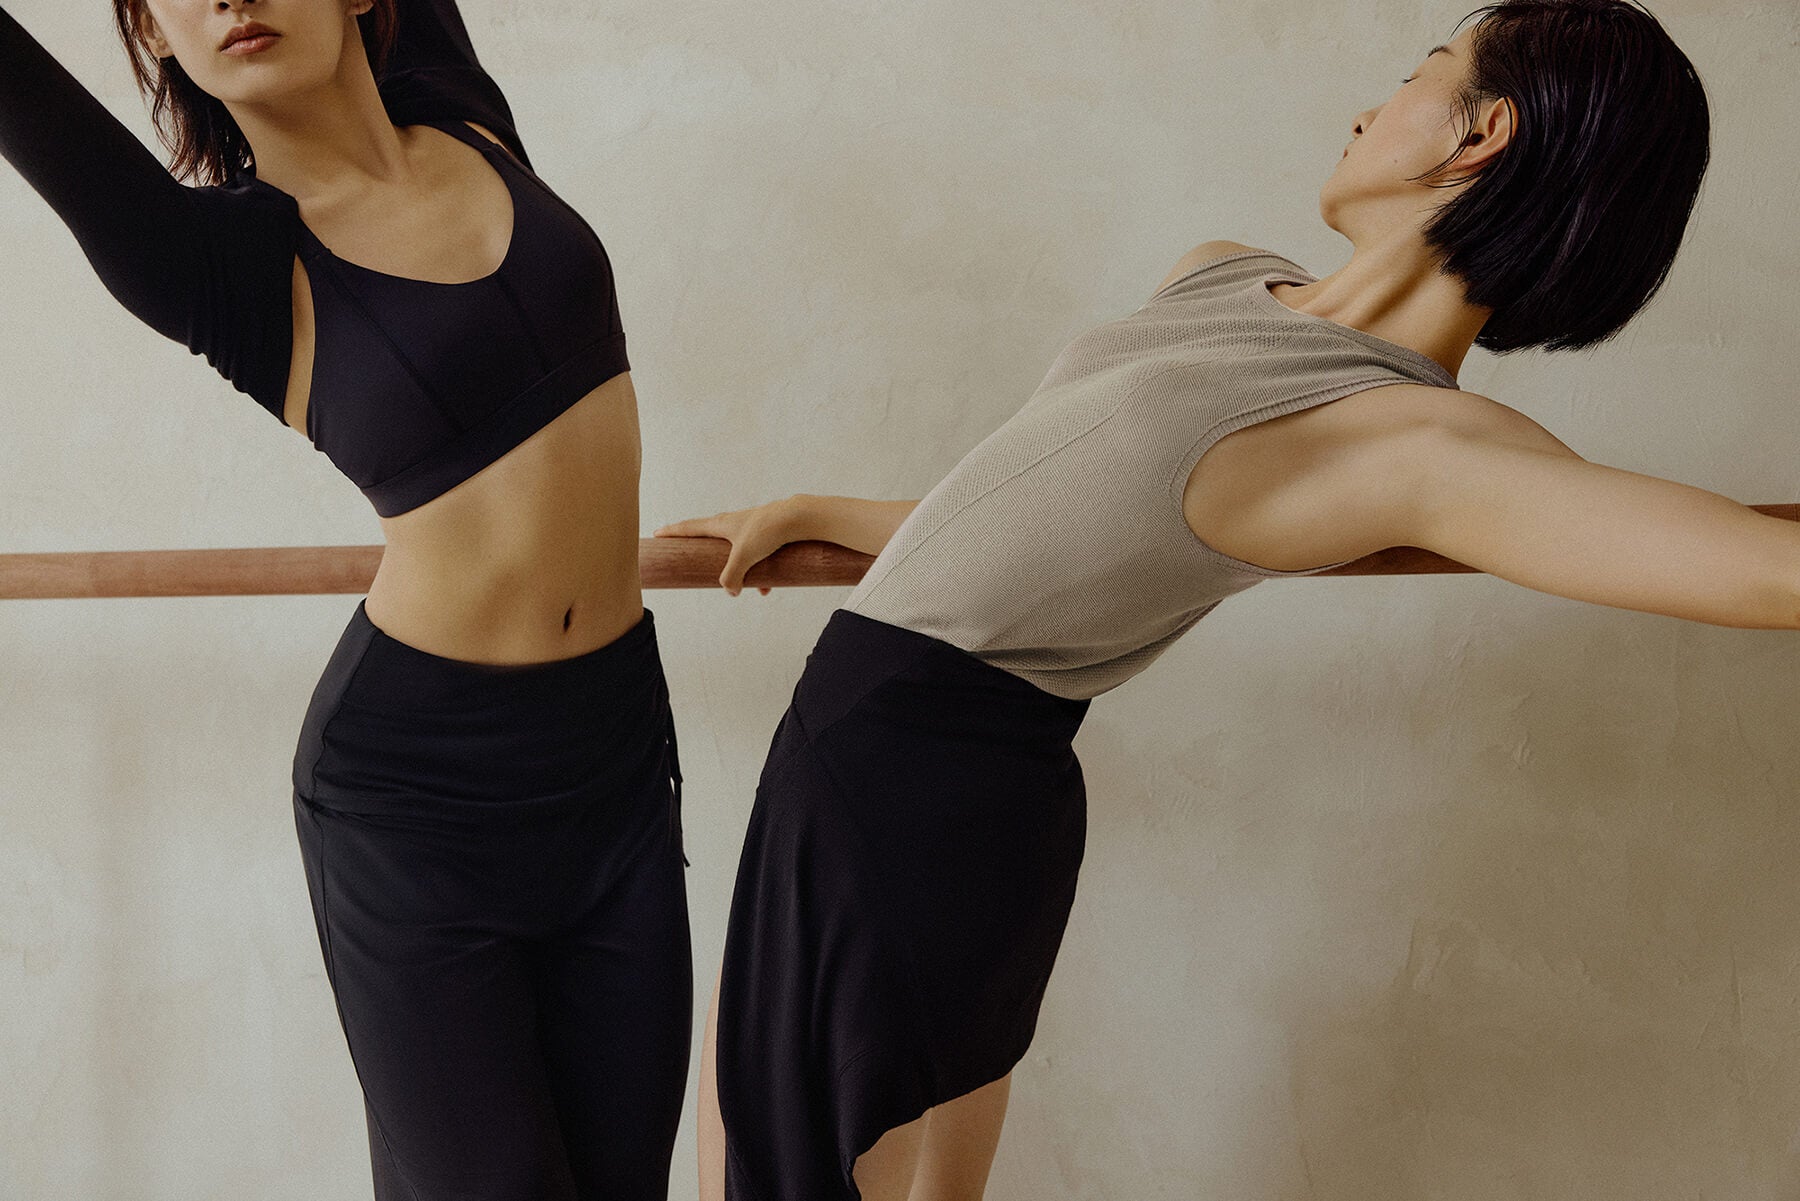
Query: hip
point(397, 731)
point(891, 729)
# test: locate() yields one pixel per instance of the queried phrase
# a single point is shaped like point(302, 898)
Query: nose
point(226, 6)
point(1364, 119)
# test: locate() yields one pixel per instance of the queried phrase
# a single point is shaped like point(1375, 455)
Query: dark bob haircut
point(205, 144)
point(1572, 228)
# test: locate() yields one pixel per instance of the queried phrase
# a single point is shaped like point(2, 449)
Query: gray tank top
point(1056, 550)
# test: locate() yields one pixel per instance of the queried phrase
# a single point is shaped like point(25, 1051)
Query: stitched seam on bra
point(433, 456)
point(531, 176)
point(381, 332)
point(545, 366)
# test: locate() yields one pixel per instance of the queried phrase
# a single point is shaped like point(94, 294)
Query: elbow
point(1780, 594)
point(1787, 607)
point(1780, 608)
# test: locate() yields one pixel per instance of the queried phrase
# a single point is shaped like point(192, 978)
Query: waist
point(533, 559)
point(511, 611)
point(391, 724)
point(909, 679)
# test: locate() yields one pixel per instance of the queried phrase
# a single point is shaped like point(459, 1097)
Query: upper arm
point(431, 33)
point(1200, 255)
point(136, 224)
point(1565, 526)
point(433, 74)
point(1474, 480)
point(1258, 494)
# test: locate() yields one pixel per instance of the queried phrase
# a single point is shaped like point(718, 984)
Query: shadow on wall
point(1472, 904)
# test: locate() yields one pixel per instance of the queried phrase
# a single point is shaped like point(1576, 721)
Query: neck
point(1394, 289)
point(314, 142)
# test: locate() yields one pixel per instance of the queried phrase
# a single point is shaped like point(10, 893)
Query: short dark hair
point(205, 144)
point(1572, 228)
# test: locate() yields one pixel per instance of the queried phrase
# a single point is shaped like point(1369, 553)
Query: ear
point(151, 35)
point(1491, 132)
point(359, 7)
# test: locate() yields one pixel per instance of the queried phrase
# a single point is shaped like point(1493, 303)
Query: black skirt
point(905, 883)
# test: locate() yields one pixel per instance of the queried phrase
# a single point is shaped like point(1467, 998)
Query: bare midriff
point(532, 559)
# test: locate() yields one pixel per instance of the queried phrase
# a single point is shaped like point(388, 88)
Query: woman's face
point(298, 44)
point(1394, 143)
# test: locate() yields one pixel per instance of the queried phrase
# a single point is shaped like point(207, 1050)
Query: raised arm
point(186, 263)
point(433, 73)
point(134, 222)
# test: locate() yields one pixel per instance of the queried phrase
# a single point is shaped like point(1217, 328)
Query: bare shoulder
point(1392, 414)
point(1206, 252)
point(1259, 493)
point(1452, 412)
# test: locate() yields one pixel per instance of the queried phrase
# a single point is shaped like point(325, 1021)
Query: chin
point(1329, 210)
point(265, 78)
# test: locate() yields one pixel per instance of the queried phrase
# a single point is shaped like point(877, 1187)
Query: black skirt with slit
point(905, 883)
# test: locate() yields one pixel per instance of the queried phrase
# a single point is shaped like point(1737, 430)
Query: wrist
point(799, 518)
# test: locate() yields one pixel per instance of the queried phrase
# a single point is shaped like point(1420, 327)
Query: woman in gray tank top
point(918, 825)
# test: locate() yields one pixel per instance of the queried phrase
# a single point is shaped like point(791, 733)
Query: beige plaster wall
point(1398, 890)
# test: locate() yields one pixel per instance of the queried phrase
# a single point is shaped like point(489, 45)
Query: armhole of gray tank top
point(1230, 425)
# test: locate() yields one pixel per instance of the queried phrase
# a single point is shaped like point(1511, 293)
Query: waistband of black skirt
point(856, 655)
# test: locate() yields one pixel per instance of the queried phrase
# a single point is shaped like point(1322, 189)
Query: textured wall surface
point(1398, 889)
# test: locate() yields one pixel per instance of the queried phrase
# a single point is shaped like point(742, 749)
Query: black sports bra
point(416, 385)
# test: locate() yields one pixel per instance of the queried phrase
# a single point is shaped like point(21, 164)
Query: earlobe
point(1490, 135)
point(151, 35)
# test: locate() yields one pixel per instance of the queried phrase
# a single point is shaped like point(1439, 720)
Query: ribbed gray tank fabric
point(1056, 550)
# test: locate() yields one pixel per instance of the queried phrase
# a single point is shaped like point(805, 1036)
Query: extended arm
point(1594, 533)
point(1458, 474)
point(755, 534)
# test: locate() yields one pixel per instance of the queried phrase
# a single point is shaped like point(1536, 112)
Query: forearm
point(1607, 536)
point(432, 74)
point(94, 173)
point(852, 521)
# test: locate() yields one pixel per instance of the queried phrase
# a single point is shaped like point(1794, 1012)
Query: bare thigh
point(943, 1156)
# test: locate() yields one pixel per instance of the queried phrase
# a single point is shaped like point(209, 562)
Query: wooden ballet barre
point(315, 570)
point(662, 563)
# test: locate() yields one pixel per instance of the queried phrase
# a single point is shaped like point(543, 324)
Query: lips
point(248, 38)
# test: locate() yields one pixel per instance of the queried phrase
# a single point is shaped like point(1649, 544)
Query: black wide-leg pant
point(906, 880)
point(494, 857)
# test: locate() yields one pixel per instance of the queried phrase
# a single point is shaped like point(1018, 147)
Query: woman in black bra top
point(486, 788)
